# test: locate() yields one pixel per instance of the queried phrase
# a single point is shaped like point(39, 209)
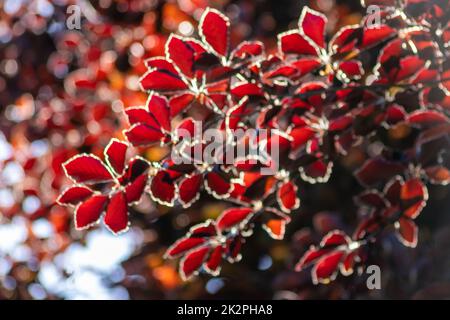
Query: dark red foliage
point(320, 98)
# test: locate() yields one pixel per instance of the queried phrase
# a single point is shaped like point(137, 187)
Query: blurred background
point(63, 91)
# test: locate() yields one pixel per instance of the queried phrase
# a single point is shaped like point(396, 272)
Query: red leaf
point(414, 195)
point(292, 42)
point(232, 217)
point(368, 225)
point(158, 107)
point(214, 30)
point(136, 188)
point(340, 123)
point(287, 197)
point(311, 255)
point(212, 266)
point(427, 118)
point(275, 228)
point(207, 229)
point(183, 245)
point(438, 175)
point(313, 23)
point(135, 168)
point(395, 114)
point(142, 116)
point(326, 268)
point(372, 36)
point(248, 49)
point(180, 103)
point(318, 171)
point(116, 217)
point(161, 80)
point(162, 189)
point(74, 195)
point(142, 135)
point(233, 248)
point(306, 65)
point(247, 89)
point(376, 170)
point(283, 71)
point(392, 190)
point(407, 232)
point(300, 136)
point(409, 66)
point(115, 153)
point(216, 185)
point(348, 263)
point(335, 238)
point(345, 39)
point(88, 213)
point(160, 63)
point(312, 92)
point(181, 54)
point(86, 168)
point(193, 261)
point(189, 189)
point(185, 130)
point(352, 69)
